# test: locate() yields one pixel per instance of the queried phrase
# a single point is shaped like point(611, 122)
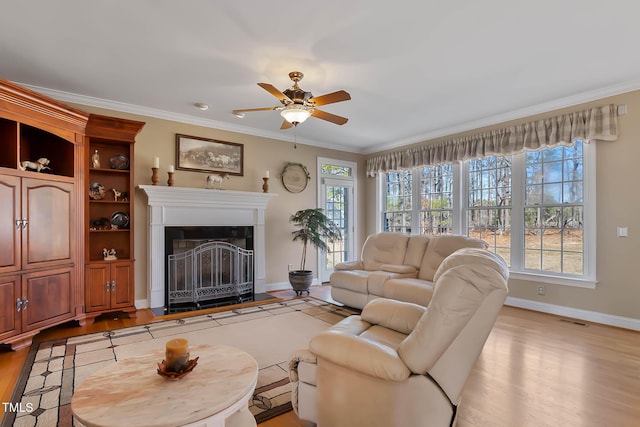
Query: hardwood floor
point(535, 370)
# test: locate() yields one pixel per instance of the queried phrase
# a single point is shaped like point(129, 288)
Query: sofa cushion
point(350, 265)
point(415, 250)
point(384, 248)
point(441, 247)
point(355, 280)
point(383, 336)
point(377, 280)
point(402, 269)
point(356, 344)
point(397, 315)
point(416, 291)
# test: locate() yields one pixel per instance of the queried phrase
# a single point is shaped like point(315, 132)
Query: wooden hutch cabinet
point(41, 245)
point(109, 257)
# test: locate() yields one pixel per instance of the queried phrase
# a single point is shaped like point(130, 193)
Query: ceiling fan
point(298, 105)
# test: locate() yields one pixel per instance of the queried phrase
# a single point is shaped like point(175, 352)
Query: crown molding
point(176, 117)
point(568, 101)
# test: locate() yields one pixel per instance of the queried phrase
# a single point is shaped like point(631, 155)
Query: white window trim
point(587, 280)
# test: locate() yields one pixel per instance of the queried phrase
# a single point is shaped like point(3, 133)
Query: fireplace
point(208, 266)
point(199, 209)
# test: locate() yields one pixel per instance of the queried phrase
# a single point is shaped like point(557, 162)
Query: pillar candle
point(156, 162)
point(171, 169)
point(177, 354)
point(266, 174)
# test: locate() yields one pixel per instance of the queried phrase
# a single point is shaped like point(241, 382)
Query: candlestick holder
point(154, 176)
point(265, 186)
point(170, 180)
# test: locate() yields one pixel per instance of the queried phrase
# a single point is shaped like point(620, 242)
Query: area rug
point(269, 332)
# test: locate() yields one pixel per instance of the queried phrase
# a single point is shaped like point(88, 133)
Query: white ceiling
point(415, 69)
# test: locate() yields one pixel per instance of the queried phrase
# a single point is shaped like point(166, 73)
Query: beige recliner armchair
point(398, 363)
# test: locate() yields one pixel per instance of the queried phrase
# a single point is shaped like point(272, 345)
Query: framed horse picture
point(209, 155)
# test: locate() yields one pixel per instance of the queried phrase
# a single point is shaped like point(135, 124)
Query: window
point(532, 208)
point(436, 200)
point(337, 170)
point(399, 194)
point(434, 214)
point(553, 210)
point(489, 203)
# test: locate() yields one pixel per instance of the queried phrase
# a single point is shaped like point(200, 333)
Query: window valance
point(598, 123)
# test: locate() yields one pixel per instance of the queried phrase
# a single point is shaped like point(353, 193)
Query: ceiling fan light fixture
point(295, 113)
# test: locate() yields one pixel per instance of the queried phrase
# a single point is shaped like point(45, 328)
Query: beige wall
point(616, 294)
point(618, 290)
point(157, 138)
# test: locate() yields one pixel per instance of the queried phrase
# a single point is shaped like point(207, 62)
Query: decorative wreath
point(291, 164)
point(295, 177)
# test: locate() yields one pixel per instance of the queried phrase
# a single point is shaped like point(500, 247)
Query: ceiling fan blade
point(248, 110)
point(275, 92)
point(330, 98)
point(318, 114)
point(285, 125)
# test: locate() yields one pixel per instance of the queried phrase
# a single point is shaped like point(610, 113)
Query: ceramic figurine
point(95, 159)
point(39, 165)
point(216, 178)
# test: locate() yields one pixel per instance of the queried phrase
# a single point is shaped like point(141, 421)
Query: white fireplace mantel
point(182, 206)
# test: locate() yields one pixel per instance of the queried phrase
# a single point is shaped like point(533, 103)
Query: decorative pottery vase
point(301, 280)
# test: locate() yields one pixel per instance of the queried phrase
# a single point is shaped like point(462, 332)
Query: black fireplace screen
point(208, 271)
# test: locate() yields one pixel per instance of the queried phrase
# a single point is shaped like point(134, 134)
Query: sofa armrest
point(402, 269)
point(397, 315)
point(301, 355)
point(360, 355)
point(298, 356)
point(350, 265)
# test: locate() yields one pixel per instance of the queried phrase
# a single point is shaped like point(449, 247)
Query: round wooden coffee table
point(131, 393)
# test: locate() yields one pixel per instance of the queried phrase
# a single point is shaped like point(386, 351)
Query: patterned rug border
point(64, 418)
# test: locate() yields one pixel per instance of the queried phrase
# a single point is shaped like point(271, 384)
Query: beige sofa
point(396, 266)
point(401, 364)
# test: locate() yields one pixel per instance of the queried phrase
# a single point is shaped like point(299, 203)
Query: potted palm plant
point(316, 229)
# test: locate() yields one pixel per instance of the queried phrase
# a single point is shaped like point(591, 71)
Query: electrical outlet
point(541, 290)
point(289, 267)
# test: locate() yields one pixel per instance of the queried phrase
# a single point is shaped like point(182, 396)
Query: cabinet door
point(9, 223)
point(47, 298)
point(9, 315)
point(122, 291)
point(97, 285)
point(48, 206)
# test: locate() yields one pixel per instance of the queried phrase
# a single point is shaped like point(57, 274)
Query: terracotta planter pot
point(301, 280)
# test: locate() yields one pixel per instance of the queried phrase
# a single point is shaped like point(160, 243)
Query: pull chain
point(295, 136)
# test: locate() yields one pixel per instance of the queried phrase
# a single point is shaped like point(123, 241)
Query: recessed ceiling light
point(201, 106)
point(239, 115)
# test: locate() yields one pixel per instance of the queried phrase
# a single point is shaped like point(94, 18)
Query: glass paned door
point(338, 204)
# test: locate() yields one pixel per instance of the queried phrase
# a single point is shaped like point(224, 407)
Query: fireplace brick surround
point(182, 206)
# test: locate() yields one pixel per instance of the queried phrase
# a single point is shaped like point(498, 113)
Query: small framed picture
point(209, 155)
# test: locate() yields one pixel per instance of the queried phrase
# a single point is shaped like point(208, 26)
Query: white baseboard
point(142, 303)
point(575, 313)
